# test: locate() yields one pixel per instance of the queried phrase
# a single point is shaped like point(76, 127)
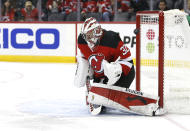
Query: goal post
point(142, 18)
point(163, 50)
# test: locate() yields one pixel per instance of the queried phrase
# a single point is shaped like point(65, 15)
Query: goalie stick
point(94, 109)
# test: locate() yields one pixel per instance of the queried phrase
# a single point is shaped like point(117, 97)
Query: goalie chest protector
point(109, 48)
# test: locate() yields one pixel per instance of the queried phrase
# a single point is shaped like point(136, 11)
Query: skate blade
point(95, 109)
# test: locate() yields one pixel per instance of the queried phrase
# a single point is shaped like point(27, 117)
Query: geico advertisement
point(126, 32)
point(37, 39)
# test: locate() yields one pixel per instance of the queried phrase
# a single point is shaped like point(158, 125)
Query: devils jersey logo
point(95, 61)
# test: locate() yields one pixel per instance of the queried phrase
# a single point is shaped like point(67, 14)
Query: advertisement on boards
point(37, 39)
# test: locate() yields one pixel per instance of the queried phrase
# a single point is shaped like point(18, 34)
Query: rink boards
point(57, 42)
point(49, 42)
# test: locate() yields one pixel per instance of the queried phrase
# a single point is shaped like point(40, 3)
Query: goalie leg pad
point(120, 98)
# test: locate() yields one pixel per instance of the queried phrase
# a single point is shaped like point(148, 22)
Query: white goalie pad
point(83, 70)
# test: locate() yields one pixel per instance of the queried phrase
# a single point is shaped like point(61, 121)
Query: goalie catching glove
point(112, 70)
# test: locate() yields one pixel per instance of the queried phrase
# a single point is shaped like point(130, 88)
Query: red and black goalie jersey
point(110, 48)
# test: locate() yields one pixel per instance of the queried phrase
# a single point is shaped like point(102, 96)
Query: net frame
point(160, 23)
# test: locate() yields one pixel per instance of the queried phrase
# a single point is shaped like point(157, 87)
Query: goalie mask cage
point(163, 58)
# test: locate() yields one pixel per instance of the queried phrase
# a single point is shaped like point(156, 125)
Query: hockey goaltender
point(105, 66)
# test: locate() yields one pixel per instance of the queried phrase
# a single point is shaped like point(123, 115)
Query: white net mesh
point(149, 52)
point(176, 58)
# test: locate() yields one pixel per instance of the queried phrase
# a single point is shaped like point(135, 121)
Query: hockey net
point(163, 58)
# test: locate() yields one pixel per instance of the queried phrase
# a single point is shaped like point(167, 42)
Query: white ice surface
point(41, 97)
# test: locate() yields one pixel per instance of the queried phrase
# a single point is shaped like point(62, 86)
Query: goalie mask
point(91, 31)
